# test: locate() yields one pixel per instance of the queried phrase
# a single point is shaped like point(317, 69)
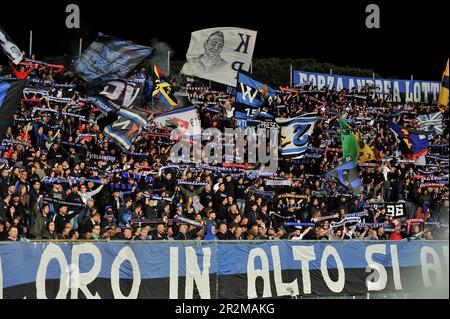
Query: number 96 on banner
point(395, 210)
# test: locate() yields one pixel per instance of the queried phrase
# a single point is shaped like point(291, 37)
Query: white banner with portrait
point(218, 54)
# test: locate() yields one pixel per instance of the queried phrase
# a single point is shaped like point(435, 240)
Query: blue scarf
point(358, 214)
point(146, 178)
point(260, 193)
point(137, 154)
point(74, 144)
point(183, 220)
point(192, 183)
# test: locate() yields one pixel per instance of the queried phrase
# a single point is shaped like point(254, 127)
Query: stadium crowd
point(62, 179)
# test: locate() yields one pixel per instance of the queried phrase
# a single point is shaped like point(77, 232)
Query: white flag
point(186, 120)
point(218, 54)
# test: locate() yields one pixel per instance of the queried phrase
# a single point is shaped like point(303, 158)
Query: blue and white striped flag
point(295, 134)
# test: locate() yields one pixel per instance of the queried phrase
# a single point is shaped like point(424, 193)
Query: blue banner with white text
point(396, 90)
point(178, 270)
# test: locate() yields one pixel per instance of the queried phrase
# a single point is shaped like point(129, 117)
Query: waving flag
point(348, 139)
point(347, 174)
point(354, 147)
point(10, 93)
point(431, 122)
point(186, 120)
point(126, 128)
point(443, 96)
point(365, 153)
point(109, 58)
point(9, 47)
point(295, 134)
point(217, 54)
point(113, 95)
point(158, 90)
point(252, 97)
point(411, 144)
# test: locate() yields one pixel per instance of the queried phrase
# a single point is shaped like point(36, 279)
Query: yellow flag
point(365, 153)
point(443, 96)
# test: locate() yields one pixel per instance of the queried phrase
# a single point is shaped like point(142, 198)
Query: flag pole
point(168, 63)
point(80, 47)
point(290, 76)
point(30, 51)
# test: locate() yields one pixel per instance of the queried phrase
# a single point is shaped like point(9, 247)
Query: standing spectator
point(63, 217)
point(125, 212)
point(89, 224)
point(41, 218)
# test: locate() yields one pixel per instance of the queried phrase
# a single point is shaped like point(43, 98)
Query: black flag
point(10, 94)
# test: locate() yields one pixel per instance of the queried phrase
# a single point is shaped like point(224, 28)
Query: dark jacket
point(252, 217)
point(48, 235)
point(229, 188)
point(3, 185)
point(225, 236)
point(205, 197)
point(151, 212)
point(3, 234)
point(86, 226)
point(219, 196)
point(113, 203)
point(62, 220)
point(156, 236)
point(4, 207)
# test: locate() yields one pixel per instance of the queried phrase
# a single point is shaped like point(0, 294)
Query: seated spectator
point(13, 234)
point(50, 232)
point(95, 234)
point(159, 233)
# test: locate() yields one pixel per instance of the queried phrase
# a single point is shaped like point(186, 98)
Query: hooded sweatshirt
point(209, 234)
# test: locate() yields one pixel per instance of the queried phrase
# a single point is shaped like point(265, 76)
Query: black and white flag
point(118, 93)
point(218, 54)
point(9, 47)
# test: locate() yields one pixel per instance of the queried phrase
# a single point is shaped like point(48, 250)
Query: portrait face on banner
point(218, 54)
point(211, 59)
